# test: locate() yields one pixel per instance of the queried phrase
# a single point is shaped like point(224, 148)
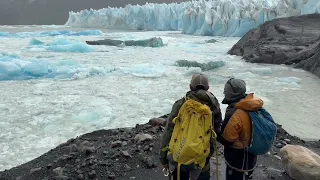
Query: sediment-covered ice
point(210, 18)
point(60, 45)
point(13, 67)
point(50, 33)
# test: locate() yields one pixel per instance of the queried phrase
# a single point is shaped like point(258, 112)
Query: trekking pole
point(165, 171)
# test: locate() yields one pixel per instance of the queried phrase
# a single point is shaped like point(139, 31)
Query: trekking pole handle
point(165, 171)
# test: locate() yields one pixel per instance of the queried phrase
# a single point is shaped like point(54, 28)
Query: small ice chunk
point(290, 80)
point(261, 70)
point(193, 70)
point(9, 68)
point(37, 68)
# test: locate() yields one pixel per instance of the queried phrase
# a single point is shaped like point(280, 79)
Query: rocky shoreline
point(292, 41)
point(130, 153)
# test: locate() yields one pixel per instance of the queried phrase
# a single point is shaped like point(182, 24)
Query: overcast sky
point(26, 12)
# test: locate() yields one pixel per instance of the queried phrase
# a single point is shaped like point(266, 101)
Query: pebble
point(92, 174)
point(278, 157)
point(143, 137)
point(288, 141)
point(73, 148)
point(279, 145)
point(34, 170)
point(126, 154)
point(61, 178)
point(88, 150)
point(116, 144)
point(111, 175)
point(58, 171)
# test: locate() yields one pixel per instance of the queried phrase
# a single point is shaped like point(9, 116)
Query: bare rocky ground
point(129, 153)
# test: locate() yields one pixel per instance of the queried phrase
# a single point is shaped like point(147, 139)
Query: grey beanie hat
point(234, 90)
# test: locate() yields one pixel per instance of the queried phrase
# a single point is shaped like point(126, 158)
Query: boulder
point(300, 162)
point(293, 41)
point(158, 122)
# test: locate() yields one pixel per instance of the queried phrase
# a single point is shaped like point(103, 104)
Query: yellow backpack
point(193, 130)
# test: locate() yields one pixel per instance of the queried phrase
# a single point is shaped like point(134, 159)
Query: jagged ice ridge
point(207, 18)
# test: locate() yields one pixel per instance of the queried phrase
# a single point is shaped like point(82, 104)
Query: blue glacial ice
point(50, 33)
point(210, 18)
point(13, 67)
point(60, 45)
point(146, 70)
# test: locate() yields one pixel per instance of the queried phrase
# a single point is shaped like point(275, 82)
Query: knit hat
point(234, 90)
point(199, 80)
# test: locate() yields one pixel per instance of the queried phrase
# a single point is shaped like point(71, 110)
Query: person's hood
point(249, 103)
point(200, 95)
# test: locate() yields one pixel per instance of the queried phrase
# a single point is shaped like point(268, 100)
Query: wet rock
point(116, 144)
point(92, 174)
point(158, 122)
point(35, 170)
point(143, 137)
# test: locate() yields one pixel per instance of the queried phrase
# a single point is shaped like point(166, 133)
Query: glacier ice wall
point(210, 18)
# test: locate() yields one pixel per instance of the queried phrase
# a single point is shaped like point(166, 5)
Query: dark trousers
point(184, 175)
point(232, 174)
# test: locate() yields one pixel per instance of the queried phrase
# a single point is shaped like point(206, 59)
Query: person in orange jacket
point(236, 130)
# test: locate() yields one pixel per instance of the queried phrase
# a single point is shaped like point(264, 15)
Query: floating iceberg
point(203, 66)
point(209, 18)
point(50, 33)
point(60, 45)
point(12, 67)
point(261, 70)
point(152, 42)
point(146, 70)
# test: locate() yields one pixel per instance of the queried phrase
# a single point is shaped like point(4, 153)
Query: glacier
point(50, 33)
point(13, 67)
point(206, 18)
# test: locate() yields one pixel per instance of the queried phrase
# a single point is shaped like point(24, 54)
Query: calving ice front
point(209, 18)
